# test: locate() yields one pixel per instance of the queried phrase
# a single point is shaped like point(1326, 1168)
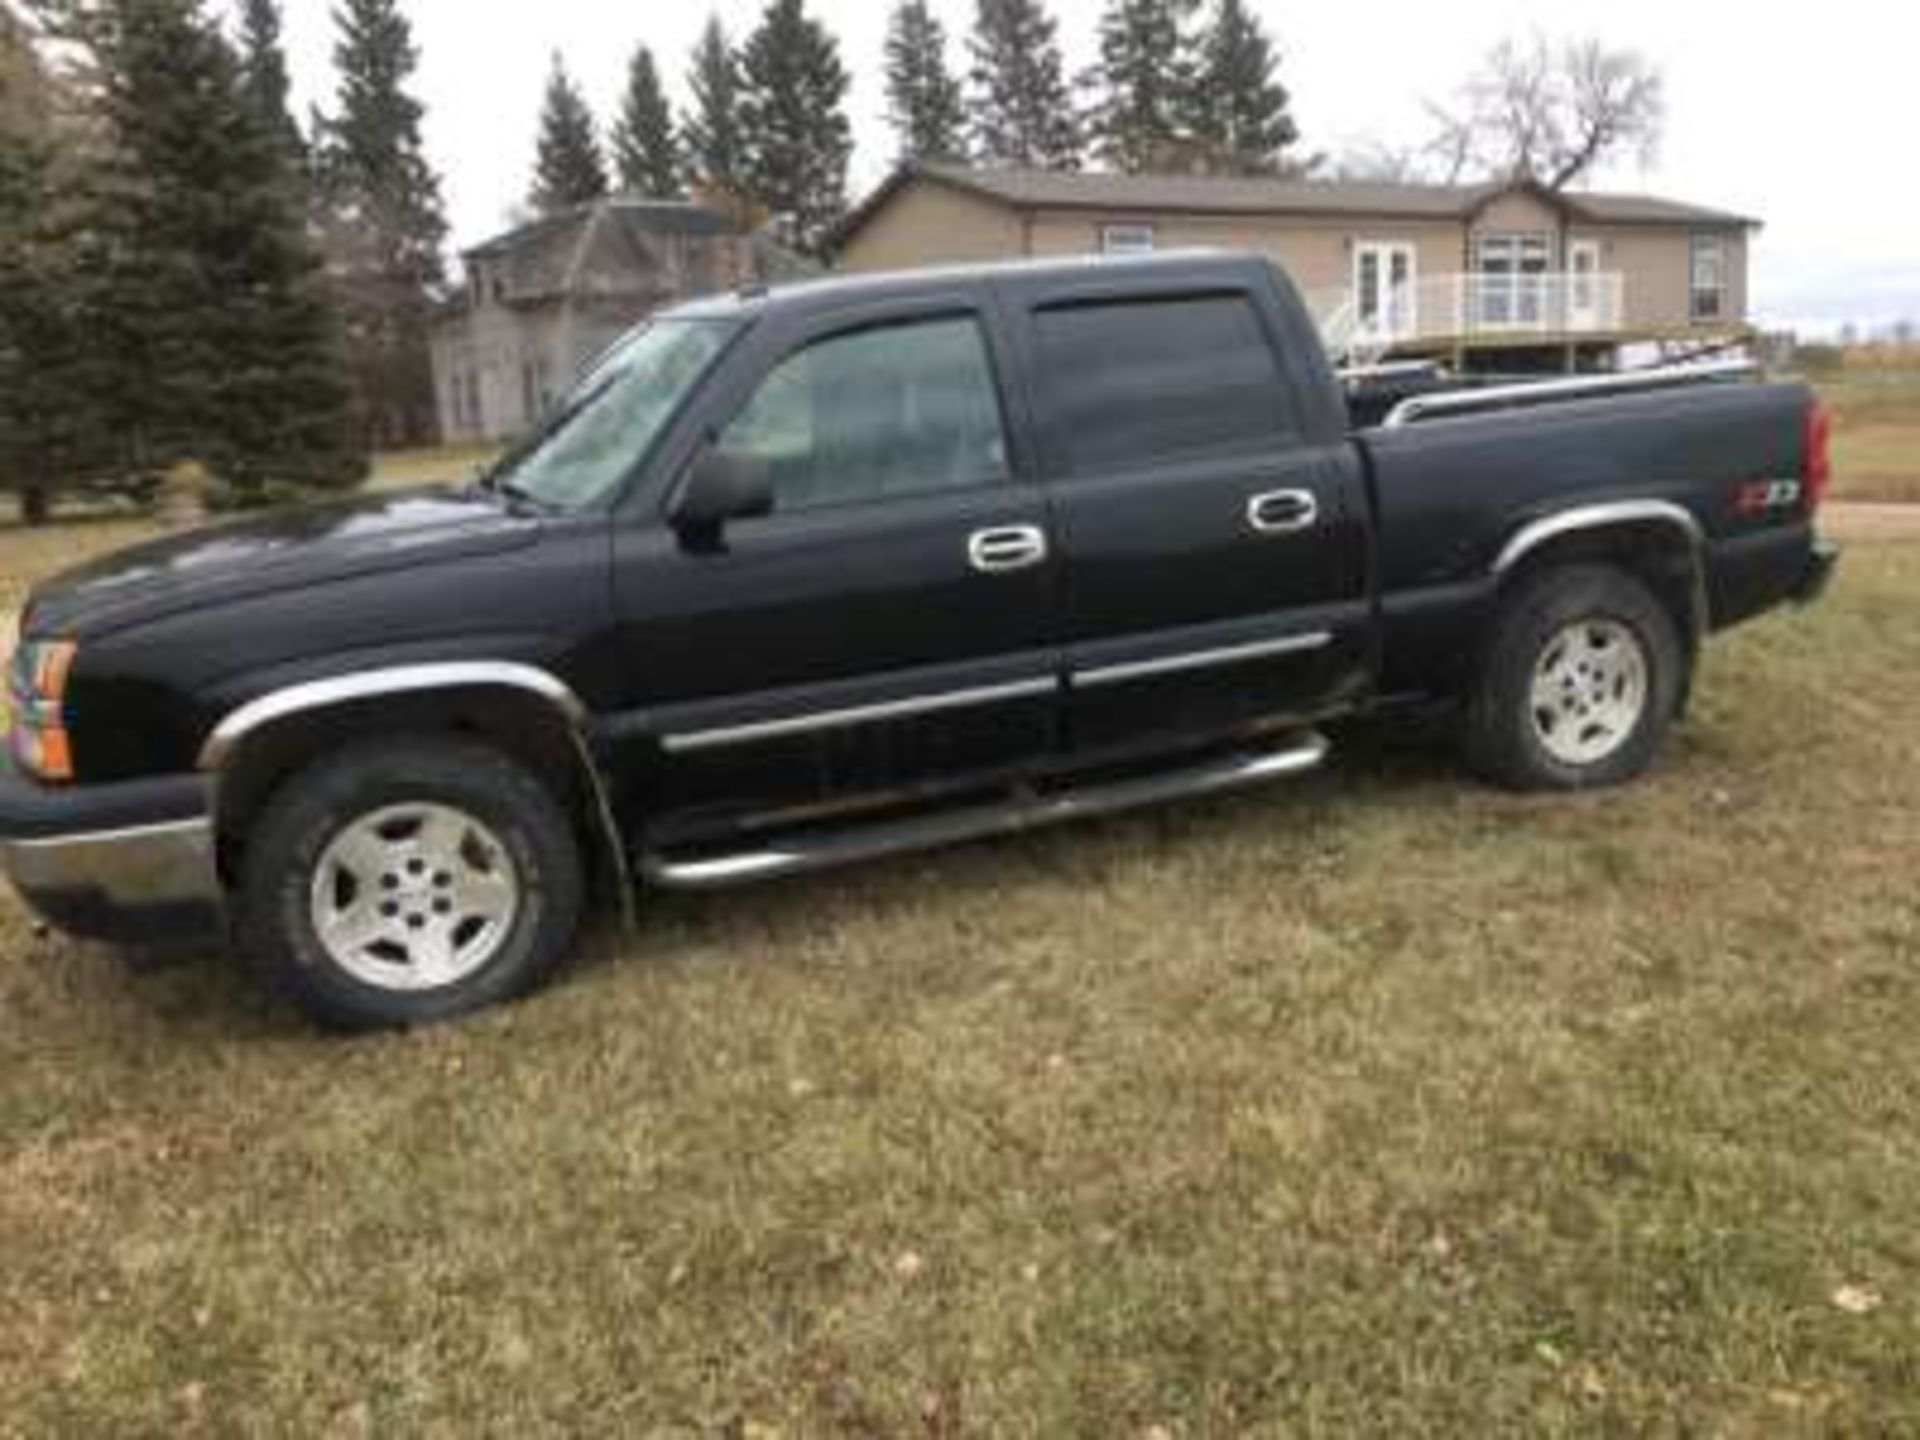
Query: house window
point(1511, 288)
point(1126, 239)
point(1709, 287)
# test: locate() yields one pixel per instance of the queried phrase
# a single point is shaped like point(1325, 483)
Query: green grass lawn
point(1379, 1104)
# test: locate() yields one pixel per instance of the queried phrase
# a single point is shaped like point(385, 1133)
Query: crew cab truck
point(801, 577)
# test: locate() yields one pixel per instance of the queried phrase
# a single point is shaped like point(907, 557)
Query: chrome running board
point(846, 845)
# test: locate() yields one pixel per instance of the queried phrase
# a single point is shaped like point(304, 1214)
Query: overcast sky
point(1800, 115)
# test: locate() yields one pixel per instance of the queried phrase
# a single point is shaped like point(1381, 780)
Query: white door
point(1583, 285)
point(1384, 283)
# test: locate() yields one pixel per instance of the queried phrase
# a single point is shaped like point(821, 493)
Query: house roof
point(631, 213)
point(609, 244)
point(1233, 195)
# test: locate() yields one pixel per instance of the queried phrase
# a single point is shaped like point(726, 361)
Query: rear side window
point(1127, 384)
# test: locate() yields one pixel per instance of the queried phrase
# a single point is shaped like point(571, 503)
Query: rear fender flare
point(1616, 515)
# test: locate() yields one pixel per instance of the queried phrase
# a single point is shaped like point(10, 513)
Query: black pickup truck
point(796, 578)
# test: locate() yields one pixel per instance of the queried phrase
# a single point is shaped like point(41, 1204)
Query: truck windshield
point(593, 438)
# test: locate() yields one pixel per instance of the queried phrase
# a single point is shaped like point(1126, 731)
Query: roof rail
point(1502, 397)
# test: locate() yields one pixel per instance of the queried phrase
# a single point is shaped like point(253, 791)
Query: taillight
point(1819, 472)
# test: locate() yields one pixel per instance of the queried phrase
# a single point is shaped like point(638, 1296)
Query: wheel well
point(1660, 555)
point(522, 726)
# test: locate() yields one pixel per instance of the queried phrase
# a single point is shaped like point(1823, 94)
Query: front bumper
point(130, 865)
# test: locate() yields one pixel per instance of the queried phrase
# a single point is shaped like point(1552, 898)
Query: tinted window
point(1132, 383)
point(903, 410)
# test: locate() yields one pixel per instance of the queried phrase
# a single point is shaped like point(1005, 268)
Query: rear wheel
point(408, 881)
point(1584, 672)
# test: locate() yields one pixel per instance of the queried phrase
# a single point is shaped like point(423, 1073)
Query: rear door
point(1210, 522)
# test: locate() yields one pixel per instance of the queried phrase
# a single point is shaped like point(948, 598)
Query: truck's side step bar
point(844, 845)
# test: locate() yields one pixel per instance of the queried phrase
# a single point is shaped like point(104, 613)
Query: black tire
point(1503, 734)
point(290, 839)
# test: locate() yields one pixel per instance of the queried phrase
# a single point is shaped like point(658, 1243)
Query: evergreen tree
point(646, 151)
point(382, 220)
point(49, 419)
point(1144, 81)
point(715, 149)
point(264, 76)
point(1021, 110)
point(923, 95)
point(796, 139)
point(1238, 111)
point(570, 169)
point(206, 323)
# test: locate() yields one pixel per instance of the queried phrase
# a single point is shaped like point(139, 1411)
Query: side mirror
point(723, 485)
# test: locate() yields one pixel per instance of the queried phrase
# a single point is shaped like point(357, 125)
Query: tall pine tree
point(796, 139)
point(197, 285)
point(1020, 107)
point(711, 136)
point(1144, 82)
point(923, 96)
point(52, 425)
point(383, 221)
point(646, 152)
point(1238, 112)
point(264, 77)
point(569, 168)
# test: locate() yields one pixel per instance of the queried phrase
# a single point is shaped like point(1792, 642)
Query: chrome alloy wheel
point(1590, 690)
point(415, 897)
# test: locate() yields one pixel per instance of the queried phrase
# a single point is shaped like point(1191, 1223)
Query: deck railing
point(1475, 307)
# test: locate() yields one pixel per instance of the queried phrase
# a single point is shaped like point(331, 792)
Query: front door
point(890, 620)
point(1384, 289)
point(1211, 549)
point(1583, 285)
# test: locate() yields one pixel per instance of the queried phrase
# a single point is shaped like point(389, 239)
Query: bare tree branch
point(1550, 112)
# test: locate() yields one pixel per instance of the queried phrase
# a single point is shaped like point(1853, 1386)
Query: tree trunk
point(36, 505)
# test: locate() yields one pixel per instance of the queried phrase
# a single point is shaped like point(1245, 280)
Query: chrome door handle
point(1016, 547)
point(1283, 512)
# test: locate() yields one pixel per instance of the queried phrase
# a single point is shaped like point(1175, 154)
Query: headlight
point(37, 696)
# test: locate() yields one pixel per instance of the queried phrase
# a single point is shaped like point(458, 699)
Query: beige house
point(1494, 276)
point(543, 301)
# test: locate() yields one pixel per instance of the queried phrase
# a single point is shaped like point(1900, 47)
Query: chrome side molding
point(692, 741)
point(1202, 660)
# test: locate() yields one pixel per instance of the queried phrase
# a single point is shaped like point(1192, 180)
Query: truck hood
point(293, 548)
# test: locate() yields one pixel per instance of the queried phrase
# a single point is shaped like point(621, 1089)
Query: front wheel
point(1584, 672)
point(409, 881)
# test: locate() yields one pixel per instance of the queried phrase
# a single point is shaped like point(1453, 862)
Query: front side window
point(606, 425)
point(877, 414)
point(1709, 288)
point(1133, 383)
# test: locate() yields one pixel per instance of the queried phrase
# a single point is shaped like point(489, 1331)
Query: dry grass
point(1876, 402)
point(1379, 1104)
